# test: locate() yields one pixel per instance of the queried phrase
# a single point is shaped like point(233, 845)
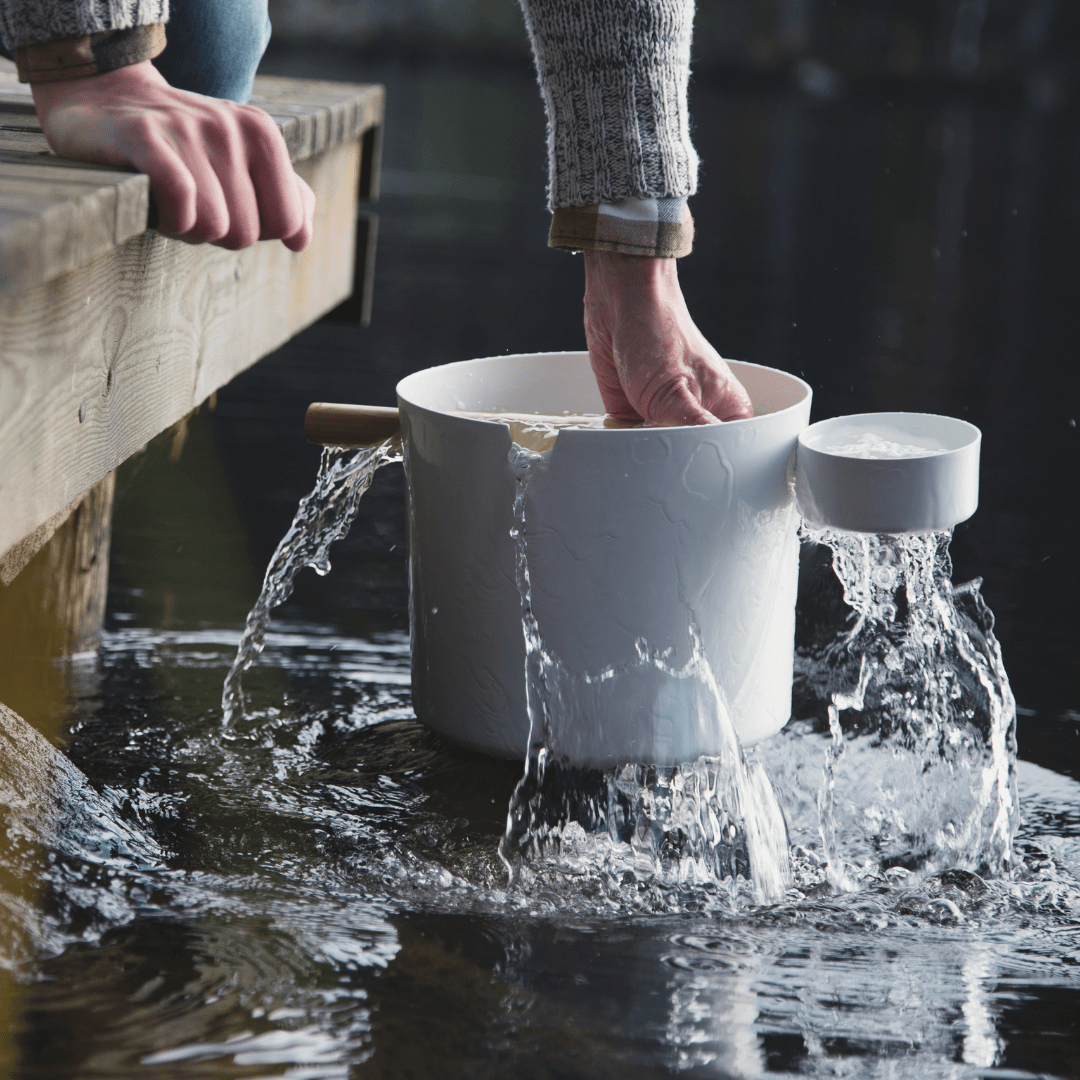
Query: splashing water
point(322, 517)
point(654, 829)
point(920, 772)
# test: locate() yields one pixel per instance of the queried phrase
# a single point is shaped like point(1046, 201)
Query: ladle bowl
point(888, 472)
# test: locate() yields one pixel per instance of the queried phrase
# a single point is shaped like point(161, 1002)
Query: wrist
point(614, 278)
point(114, 82)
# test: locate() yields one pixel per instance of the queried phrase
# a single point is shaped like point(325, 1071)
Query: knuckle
point(671, 398)
point(220, 130)
point(142, 126)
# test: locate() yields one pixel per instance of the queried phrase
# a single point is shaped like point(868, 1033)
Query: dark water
point(319, 894)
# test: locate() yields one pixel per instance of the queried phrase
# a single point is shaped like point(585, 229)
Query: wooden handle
point(350, 426)
point(353, 426)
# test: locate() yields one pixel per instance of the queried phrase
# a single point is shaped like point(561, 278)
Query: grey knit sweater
point(27, 22)
point(613, 76)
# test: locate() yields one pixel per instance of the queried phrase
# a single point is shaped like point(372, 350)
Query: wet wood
point(110, 333)
point(58, 598)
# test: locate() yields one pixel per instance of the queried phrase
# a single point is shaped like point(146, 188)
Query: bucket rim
point(407, 387)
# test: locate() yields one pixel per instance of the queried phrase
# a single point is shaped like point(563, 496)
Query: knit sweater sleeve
point(31, 22)
point(613, 75)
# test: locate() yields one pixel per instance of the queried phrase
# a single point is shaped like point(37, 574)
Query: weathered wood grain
point(110, 333)
point(313, 114)
point(60, 215)
point(96, 362)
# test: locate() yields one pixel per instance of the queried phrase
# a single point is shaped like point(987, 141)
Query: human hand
point(650, 361)
point(220, 172)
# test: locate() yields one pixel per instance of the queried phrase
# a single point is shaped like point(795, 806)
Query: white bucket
point(632, 534)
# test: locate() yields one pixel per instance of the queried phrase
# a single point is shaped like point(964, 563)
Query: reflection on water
point(324, 878)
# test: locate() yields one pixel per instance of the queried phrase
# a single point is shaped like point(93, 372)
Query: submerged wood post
point(61, 590)
point(53, 605)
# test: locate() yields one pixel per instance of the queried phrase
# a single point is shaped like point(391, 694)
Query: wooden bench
point(110, 333)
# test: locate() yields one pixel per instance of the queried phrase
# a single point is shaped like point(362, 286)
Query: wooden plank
point(313, 114)
point(23, 141)
point(68, 225)
point(75, 225)
point(95, 363)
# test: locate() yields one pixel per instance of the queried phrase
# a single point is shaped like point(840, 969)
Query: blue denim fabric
point(215, 46)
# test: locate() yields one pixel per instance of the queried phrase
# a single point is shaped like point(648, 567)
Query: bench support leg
point(55, 606)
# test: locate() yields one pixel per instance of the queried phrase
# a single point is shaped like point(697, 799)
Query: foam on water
point(870, 445)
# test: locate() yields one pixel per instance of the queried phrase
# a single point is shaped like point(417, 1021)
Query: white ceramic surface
point(934, 486)
point(631, 534)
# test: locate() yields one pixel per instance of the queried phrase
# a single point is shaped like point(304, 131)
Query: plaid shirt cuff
point(660, 228)
point(93, 54)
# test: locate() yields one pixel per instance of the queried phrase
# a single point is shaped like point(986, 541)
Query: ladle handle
point(350, 426)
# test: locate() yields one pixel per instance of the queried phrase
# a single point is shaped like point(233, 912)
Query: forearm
point(613, 76)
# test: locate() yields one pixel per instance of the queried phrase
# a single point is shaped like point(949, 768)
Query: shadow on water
point(318, 893)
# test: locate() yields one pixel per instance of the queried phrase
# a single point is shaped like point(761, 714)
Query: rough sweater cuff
point(76, 58)
point(31, 22)
point(613, 75)
point(658, 228)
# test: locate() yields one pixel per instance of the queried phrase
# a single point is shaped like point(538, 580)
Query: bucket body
point(639, 540)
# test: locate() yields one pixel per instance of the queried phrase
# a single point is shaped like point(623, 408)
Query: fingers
point(300, 239)
point(175, 189)
point(281, 207)
point(225, 148)
point(602, 360)
point(676, 404)
point(220, 172)
point(721, 393)
point(248, 154)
